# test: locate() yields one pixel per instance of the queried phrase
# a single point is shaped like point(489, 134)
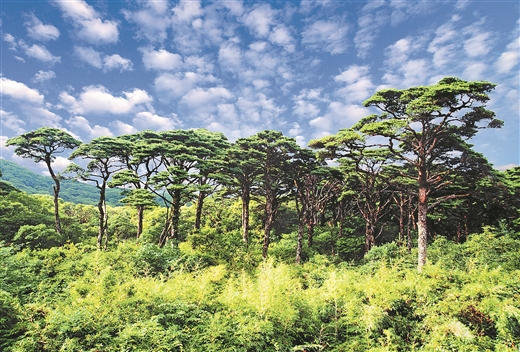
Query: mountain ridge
point(72, 191)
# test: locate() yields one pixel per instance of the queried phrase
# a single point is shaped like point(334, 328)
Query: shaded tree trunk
point(198, 213)
point(140, 215)
point(246, 198)
point(103, 217)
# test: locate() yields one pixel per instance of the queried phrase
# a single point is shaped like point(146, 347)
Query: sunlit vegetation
point(260, 245)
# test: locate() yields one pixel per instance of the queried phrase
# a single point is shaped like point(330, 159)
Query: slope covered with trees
point(259, 245)
point(71, 191)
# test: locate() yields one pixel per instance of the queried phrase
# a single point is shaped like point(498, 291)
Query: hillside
point(71, 191)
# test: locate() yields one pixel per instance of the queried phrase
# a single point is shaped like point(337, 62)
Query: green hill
point(71, 191)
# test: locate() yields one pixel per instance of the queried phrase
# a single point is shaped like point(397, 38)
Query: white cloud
point(42, 76)
point(39, 31)
point(40, 116)
point(282, 36)
point(330, 36)
point(260, 19)
point(187, 10)
point(98, 99)
point(153, 20)
point(176, 85)
point(97, 60)
point(39, 52)
point(369, 25)
point(160, 59)
point(200, 99)
point(509, 58)
point(12, 122)
point(122, 128)
point(117, 62)
point(259, 109)
point(89, 26)
point(81, 124)
point(20, 91)
point(89, 56)
point(475, 71)
point(479, 44)
point(230, 56)
point(146, 120)
point(359, 86)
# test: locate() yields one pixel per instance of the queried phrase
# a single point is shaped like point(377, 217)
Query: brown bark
point(140, 214)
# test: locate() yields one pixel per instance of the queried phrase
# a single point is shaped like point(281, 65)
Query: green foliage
point(146, 298)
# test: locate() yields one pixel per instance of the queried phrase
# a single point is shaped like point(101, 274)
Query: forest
point(391, 235)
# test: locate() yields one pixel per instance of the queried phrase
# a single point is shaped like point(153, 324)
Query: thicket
point(212, 293)
point(139, 297)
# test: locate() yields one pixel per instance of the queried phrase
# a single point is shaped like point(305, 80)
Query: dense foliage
point(259, 245)
point(145, 298)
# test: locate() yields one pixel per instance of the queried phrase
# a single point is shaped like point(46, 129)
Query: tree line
point(410, 165)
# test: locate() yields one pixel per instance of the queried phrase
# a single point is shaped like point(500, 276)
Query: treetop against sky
point(103, 68)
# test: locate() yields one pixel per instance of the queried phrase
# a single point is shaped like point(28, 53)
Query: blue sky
point(99, 68)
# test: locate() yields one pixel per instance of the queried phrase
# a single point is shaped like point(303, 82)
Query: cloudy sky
point(101, 67)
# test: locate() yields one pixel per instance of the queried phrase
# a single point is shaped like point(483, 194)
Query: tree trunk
point(370, 240)
point(140, 215)
point(422, 227)
point(166, 229)
point(198, 213)
point(246, 198)
point(269, 219)
point(56, 189)
point(102, 216)
point(176, 209)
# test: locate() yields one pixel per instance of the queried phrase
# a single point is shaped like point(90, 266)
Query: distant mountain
point(71, 191)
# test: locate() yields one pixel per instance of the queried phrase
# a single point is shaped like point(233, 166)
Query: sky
point(106, 68)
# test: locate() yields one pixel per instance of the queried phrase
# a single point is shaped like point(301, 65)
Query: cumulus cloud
point(146, 120)
point(39, 31)
point(115, 61)
point(82, 125)
point(88, 23)
point(40, 116)
point(203, 101)
point(12, 122)
point(160, 59)
point(306, 103)
point(153, 20)
point(358, 84)
point(187, 10)
point(89, 56)
point(107, 62)
point(43, 76)
point(39, 52)
point(230, 56)
point(20, 91)
point(176, 85)
point(122, 128)
point(97, 99)
point(260, 19)
point(281, 35)
point(329, 36)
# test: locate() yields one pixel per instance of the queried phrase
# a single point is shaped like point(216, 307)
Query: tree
point(275, 155)
point(240, 168)
point(106, 155)
point(365, 181)
point(42, 145)
point(426, 127)
point(141, 163)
